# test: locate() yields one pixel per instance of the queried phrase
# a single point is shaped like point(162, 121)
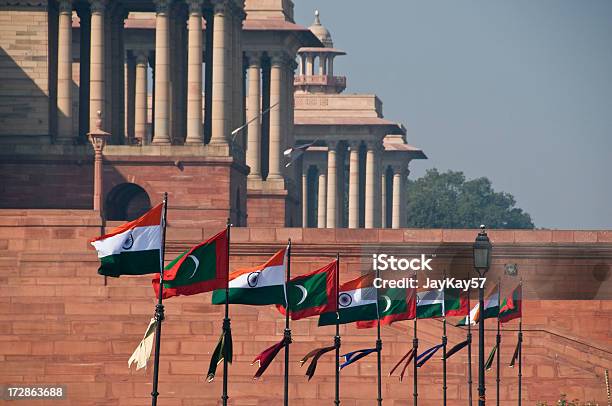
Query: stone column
point(237, 65)
point(275, 117)
point(304, 195)
point(96, 64)
point(330, 68)
point(140, 102)
point(353, 221)
point(254, 115)
point(403, 215)
point(208, 75)
point(130, 97)
point(309, 65)
point(117, 99)
point(221, 80)
point(84, 58)
point(397, 193)
point(65, 135)
point(383, 198)
point(322, 63)
point(195, 129)
point(321, 209)
point(162, 74)
point(370, 185)
point(331, 184)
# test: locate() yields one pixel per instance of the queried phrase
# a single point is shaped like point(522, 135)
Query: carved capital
point(141, 58)
point(398, 168)
point(374, 145)
point(278, 58)
point(354, 144)
point(65, 6)
point(195, 6)
point(332, 145)
point(97, 6)
point(162, 6)
point(254, 58)
point(220, 7)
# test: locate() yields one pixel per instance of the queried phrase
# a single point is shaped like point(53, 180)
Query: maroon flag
point(264, 359)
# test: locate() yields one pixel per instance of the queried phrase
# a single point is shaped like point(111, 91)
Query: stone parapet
point(61, 322)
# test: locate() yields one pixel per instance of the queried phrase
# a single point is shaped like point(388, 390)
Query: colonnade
point(120, 92)
point(308, 60)
point(382, 200)
point(270, 91)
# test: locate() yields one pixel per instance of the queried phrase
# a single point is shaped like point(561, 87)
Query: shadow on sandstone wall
point(43, 176)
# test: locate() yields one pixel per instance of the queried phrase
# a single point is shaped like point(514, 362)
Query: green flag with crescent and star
point(313, 293)
point(202, 268)
point(394, 304)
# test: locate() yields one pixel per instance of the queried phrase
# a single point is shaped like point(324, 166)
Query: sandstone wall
point(57, 177)
point(25, 67)
point(62, 324)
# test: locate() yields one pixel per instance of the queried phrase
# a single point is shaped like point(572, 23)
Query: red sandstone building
point(173, 80)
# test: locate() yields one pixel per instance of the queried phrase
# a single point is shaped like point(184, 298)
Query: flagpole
point(444, 358)
point(469, 338)
point(520, 365)
point(337, 337)
point(415, 347)
point(444, 340)
point(159, 308)
point(498, 340)
point(287, 329)
point(378, 347)
point(227, 329)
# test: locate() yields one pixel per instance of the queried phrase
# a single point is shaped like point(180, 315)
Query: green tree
point(447, 200)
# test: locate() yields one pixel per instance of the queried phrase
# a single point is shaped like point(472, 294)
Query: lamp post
point(98, 140)
point(482, 262)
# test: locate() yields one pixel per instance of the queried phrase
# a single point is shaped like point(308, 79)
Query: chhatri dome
point(316, 64)
point(321, 32)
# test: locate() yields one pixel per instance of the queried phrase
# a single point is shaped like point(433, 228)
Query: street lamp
point(482, 262)
point(98, 138)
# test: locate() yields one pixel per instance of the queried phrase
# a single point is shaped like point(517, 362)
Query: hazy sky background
point(519, 91)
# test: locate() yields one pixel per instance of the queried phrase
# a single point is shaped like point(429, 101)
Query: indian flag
point(260, 285)
point(430, 303)
point(132, 248)
point(440, 303)
point(357, 301)
point(491, 310)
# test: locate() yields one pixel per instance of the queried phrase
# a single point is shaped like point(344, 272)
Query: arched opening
point(126, 202)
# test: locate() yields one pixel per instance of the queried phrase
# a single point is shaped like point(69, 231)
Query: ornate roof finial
point(317, 20)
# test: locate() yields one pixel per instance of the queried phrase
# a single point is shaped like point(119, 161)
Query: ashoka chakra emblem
point(128, 243)
point(253, 278)
point(345, 300)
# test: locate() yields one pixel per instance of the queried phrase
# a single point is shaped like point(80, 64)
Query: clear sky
point(519, 91)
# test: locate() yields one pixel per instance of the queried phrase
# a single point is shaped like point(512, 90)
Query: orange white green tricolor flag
point(357, 301)
point(491, 310)
point(260, 285)
point(132, 248)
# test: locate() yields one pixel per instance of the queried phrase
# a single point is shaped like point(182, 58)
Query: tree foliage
point(447, 200)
